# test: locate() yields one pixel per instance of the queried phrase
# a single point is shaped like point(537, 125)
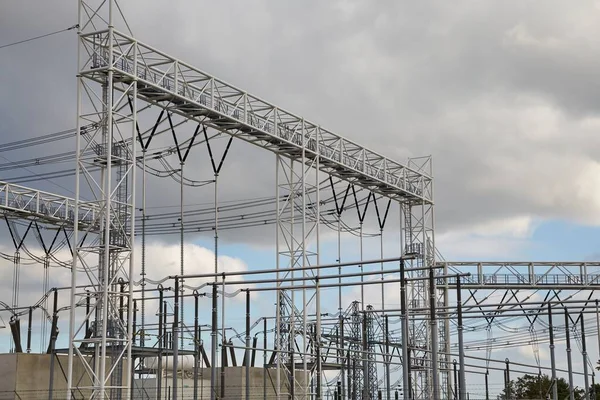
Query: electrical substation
point(355, 301)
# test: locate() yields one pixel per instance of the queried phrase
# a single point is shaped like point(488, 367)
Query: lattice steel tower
point(106, 152)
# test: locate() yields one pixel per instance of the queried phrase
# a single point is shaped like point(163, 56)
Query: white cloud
point(164, 259)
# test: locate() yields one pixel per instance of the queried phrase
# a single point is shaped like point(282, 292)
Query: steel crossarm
point(567, 275)
point(183, 89)
point(50, 208)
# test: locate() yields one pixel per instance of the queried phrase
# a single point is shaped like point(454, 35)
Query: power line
point(39, 37)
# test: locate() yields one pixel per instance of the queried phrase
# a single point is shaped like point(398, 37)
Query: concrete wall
point(27, 376)
point(235, 384)
point(8, 375)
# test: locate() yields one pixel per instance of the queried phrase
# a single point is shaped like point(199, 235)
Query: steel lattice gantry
point(50, 208)
point(506, 275)
point(116, 71)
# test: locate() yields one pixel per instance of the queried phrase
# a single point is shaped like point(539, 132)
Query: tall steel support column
point(569, 361)
point(552, 355)
point(105, 177)
point(462, 393)
point(420, 245)
point(355, 353)
point(406, 389)
point(585, 358)
point(444, 341)
point(598, 327)
point(434, 338)
point(298, 212)
point(388, 388)
point(371, 381)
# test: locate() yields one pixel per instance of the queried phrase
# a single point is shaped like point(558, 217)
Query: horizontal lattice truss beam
point(525, 275)
point(185, 90)
point(24, 202)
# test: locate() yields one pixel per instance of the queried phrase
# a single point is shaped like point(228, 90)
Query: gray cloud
point(501, 94)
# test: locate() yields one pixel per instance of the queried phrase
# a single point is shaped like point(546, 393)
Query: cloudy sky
point(503, 95)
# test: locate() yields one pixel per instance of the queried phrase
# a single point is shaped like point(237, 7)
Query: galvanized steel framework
point(114, 70)
point(105, 176)
point(553, 277)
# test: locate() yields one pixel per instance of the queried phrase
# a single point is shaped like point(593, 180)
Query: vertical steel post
point(487, 387)
point(569, 361)
point(181, 254)
point(342, 361)
point(201, 345)
point(131, 312)
point(292, 314)
point(264, 358)
point(213, 345)
point(388, 388)
point(598, 326)
point(507, 379)
point(143, 250)
point(29, 330)
point(318, 327)
point(278, 294)
point(552, 356)
point(78, 157)
point(133, 322)
point(351, 376)
point(381, 267)
point(175, 341)
point(215, 317)
point(455, 380)
point(53, 334)
point(223, 338)
point(434, 336)
point(318, 355)
point(87, 311)
point(292, 349)
point(461, 348)
point(132, 331)
point(166, 334)
point(247, 360)
point(160, 344)
point(585, 359)
point(362, 278)
point(404, 328)
point(365, 356)
point(354, 394)
point(196, 344)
